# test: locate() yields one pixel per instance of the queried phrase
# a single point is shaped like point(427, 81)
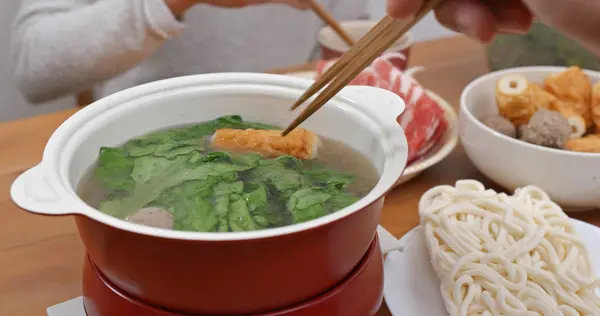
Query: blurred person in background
point(64, 47)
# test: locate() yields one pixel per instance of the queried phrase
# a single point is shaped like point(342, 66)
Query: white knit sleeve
point(61, 47)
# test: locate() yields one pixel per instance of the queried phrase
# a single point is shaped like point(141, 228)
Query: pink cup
point(332, 46)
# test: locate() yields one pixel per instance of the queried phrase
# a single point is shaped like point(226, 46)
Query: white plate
point(412, 288)
point(442, 149)
point(73, 307)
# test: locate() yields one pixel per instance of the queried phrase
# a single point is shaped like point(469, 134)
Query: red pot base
point(360, 294)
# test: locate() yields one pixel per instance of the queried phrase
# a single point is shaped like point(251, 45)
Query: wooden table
point(41, 257)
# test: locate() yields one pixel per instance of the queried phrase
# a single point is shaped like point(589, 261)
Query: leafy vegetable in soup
point(169, 179)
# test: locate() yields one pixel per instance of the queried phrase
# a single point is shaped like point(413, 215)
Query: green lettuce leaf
point(197, 215)
point(307, 204)
point(168, 144)
point(328, 178)
point(153, 175)
point(250, 160)
point(232, 210)
point(275, 174)
point(239, 216)
point(189, 205)
point(114, 169)
point(340, 201)
point(264, 212)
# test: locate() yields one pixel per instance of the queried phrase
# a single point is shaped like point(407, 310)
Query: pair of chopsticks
point(381, 37)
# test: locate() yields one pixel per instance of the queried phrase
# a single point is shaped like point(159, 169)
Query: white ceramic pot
point(571, 179)
point(245, 272)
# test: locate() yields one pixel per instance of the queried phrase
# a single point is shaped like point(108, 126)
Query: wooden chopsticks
point(331, 21)
point(382, 36)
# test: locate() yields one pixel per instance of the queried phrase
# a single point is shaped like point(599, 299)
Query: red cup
point(332, 46)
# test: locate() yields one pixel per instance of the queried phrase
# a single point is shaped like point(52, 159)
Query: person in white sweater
point(63, 47)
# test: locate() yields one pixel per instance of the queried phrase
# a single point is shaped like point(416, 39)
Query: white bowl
point(441, 150)
point(571, 179)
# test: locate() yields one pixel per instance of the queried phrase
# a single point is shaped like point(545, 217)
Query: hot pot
point(219, 273)
point(365, 282)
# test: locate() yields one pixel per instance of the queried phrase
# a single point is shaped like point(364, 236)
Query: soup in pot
point(227, 175)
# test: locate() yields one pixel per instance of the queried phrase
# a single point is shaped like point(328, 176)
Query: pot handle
point(32, 191)
point(389, 106)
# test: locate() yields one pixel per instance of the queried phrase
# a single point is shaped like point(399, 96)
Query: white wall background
point(13, 106)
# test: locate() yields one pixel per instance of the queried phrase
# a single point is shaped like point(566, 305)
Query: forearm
point(587, 35)
point(578, 19)
point(58, 50)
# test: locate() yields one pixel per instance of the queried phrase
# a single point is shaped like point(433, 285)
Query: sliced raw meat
point(424, 127)
point(423, 119)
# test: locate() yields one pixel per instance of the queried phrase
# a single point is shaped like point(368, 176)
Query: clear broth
point(332, 154)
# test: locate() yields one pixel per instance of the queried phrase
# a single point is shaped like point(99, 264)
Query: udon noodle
point(506, 255)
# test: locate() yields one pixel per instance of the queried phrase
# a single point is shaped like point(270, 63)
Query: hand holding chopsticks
point(382, 36)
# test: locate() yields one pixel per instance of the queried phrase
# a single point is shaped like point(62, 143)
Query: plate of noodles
point(479, 252)
point(431, 152)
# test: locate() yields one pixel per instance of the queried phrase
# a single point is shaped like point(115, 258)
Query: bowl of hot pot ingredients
point(537, 126)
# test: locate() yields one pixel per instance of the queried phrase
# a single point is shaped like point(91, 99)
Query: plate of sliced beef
point(429, 121)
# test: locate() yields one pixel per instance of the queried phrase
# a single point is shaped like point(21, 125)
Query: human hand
point(180, 6)
point(481, 19)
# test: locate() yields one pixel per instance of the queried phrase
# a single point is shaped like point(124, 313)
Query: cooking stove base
point(349, 296)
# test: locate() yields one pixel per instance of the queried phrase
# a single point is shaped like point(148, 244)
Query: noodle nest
point(499, 254)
